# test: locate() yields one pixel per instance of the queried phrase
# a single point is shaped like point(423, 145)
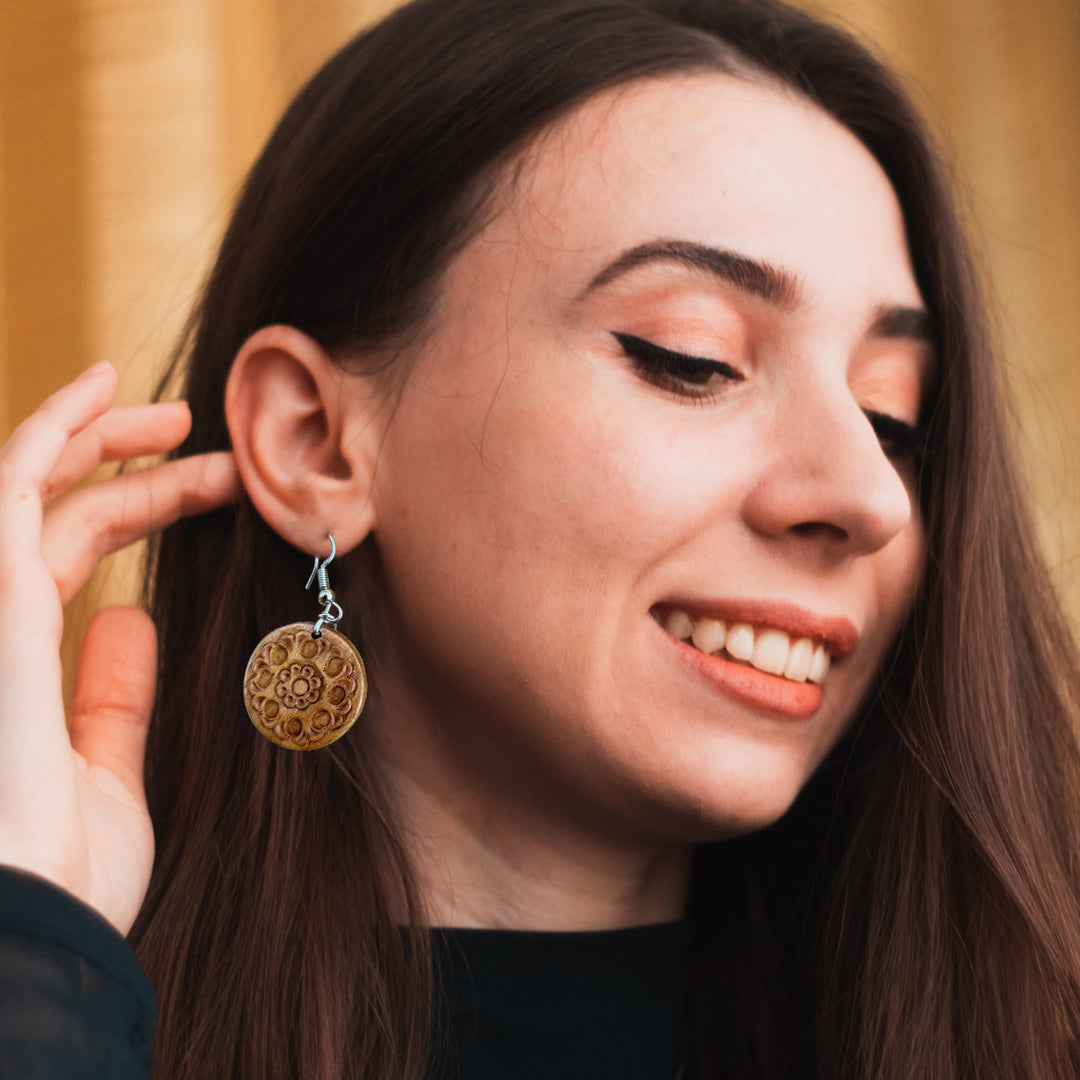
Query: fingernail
point(97, 369)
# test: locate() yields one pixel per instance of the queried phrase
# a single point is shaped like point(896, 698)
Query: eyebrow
point(748, 275)
point(761, 279)
point(894, 321)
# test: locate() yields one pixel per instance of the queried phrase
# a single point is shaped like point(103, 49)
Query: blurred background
point(126, 126)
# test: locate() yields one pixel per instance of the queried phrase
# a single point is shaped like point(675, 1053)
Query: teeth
point(799, 660)
point(679, 625)
point(769, 650)
point(740, 641)
point(819, 666)
point(709, 635)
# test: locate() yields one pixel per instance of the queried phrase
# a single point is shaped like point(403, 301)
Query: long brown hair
point(914, 915)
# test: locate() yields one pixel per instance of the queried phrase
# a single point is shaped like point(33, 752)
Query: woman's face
point(650, 397)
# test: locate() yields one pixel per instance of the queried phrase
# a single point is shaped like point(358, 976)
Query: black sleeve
point(74, 1002)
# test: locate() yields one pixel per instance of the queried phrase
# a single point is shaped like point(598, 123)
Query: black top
point(524, 1005)
point(518, 1005)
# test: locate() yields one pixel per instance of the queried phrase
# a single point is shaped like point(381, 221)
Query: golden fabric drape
point(125, 126)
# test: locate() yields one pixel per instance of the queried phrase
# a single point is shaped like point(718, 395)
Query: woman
point(631, 354)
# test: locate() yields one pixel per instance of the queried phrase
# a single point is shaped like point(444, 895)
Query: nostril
point(824, 529)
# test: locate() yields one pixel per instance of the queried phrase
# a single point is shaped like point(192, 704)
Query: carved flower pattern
point(304, 692)
point(298, 686)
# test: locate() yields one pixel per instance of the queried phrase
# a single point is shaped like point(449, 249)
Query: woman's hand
point(72, 807)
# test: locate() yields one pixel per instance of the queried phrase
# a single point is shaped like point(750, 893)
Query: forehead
point(711, 158)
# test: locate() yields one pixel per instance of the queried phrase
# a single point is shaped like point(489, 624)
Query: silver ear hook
point(331, 612)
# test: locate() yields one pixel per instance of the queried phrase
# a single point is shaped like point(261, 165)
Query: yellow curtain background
point(126, 125)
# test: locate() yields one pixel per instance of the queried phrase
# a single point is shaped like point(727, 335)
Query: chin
point(742, 793)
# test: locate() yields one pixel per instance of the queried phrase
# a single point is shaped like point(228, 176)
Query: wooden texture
point(304, 692)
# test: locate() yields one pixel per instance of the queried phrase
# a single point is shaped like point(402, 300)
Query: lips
point(772, 656)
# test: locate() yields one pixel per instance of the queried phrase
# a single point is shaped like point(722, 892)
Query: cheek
point(525, 520)
point(539, 480)
point(901, 573)
point(898, 571)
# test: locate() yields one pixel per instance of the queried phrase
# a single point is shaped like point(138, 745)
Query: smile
point(794, 657)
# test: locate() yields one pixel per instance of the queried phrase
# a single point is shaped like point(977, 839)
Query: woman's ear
point(305, 435)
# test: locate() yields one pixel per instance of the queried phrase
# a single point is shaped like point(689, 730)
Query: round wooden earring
point(305, 684)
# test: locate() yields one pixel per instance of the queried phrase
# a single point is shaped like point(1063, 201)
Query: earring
point(305, 684)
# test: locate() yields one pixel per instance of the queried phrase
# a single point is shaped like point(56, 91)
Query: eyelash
point(688, 377)
point(900, 441)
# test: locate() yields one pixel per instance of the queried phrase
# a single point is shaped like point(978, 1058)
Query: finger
point(35, 752)
point(122, 433)
point(32, 452)
point(37, 443)
point(84, 526)
point(114, 693)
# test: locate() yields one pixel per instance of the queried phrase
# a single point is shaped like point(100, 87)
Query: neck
point(477, 872)
point(514, 855)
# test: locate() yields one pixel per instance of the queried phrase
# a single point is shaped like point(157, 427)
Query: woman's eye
point(689, 376)
point(901, 442)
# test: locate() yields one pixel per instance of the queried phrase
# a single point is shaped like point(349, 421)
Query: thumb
point(114, 693)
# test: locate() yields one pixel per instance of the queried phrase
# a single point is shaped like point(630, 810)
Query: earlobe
point(304, 460)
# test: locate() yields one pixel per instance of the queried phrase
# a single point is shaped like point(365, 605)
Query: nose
point(826, 480)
